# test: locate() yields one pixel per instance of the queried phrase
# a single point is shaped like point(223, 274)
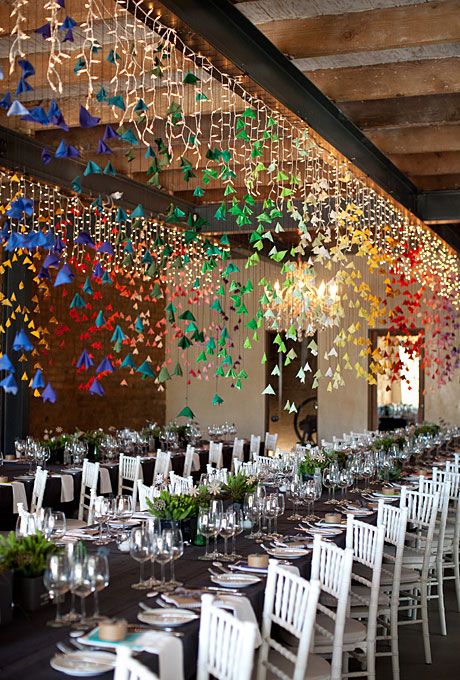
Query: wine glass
point(153, 527)
point(101, 515)
point(100, 565)
point(54, 524)
point(163, 554)
point(269, 512)
point(238, 528)
point(140, 550)
point(208, 526)
point(280, 506)
point(72, 551)
point(83, 584)
point(295, 492)
point(226, 531)
point(251, 508)
point(57, 581)
point(216, 507)
point(122, 511)
point(174, 539)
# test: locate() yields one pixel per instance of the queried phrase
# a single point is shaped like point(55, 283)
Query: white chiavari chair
point(89, 482)
point(254, 446)
point(366, 541)
point(215, 454)
point(271, 441)
point(127, 668)
point(146, 492)
point(179, 485)
point(452, 531)
point(188, 462)
point(162, 464)
point(422, 509)
point(226, 645)
point(332, 566)
point(129, 471)
point(290, 604)
point(38, 490)
point(238, 451)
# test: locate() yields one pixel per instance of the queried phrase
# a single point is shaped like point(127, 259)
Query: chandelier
point(299, 306)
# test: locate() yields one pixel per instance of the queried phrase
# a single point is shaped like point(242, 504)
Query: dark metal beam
point(439, 206)
point(233, 35)
point(23, 154)
point(450, 233)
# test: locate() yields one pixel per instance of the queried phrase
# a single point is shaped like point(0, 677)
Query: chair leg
point(394, 642)
point(441, 609)
point(457, 577)
point(371, 660)
point(425, 625)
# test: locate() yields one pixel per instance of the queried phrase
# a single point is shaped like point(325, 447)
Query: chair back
point(38, 490)
point(271, 440)
point(89, 480)
point(215, 454)
point(226, 645)
point(127, 668)
point(290, 603)
point(129, 472)
point(366, 541)
point(254, 446)
point(179, 485)
point(238, 450)
point(146, 492)
point(188, 462)
point(162, 464)
point(332, 566)
point(394, 520)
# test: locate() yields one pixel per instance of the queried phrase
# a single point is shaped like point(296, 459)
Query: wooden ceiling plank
point(422, 24)
point(444, 163)
point(404, 112)
point(437, 182)
point(389, 80)
point(419, 140)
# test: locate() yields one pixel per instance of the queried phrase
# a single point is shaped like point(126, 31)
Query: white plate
point(285, 553)
point(167, 617)
point(235, 580)
point(83, 664)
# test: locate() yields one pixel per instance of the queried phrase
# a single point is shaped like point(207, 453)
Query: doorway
point(293, 383)
point(397, 399)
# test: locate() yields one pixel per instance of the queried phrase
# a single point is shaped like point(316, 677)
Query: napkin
point(169, 651)
point(242, 609)
point(196, 463)
point(183, 601)
point(67, 489)
point(19, 495)
point(105, 483)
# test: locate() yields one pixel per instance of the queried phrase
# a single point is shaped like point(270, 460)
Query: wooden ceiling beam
point(424, 24)
point(444, 163)
point(388, 81)
point(436, 182)
point(403, 112)
point(420, 140)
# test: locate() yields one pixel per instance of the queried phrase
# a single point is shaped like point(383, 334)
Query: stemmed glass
point(83, 584)
point(140, 543)
point(72, 551)
point(252, 512)
point(208, 526)
point(53, 524)
point(163, 552)
point(295, 492)
point(238, 528)
point(57, 581)
point(101, 515)
point(175, 541)
point(216, 508)
point(153, 527)
point(121, 510)
point(269, 512)
point(100, 564)
point(226, 531)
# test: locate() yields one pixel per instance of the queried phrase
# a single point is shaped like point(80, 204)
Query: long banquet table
point(27, 644)
point(52, 496)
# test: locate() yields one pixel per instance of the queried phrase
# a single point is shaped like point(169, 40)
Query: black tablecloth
point(26, 645)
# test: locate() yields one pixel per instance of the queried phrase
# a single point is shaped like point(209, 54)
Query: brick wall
point(122, 406)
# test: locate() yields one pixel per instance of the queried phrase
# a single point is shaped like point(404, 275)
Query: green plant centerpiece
point(237, 486)
point(27, 558)
point(316, 459)
point(427, 430)
point(94, 439)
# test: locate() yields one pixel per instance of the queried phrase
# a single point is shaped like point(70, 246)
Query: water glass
point(57, 581)
point(140, 549)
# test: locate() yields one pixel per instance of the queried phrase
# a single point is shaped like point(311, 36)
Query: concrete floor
point(445, 650)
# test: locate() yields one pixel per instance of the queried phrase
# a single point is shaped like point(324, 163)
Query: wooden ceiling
point(392, 66)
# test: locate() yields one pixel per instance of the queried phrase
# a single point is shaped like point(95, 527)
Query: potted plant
point(236, 487)
point(26, 557)
point(313, 460)
point(93, 439)
point(182, 510)
point(6, 596)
